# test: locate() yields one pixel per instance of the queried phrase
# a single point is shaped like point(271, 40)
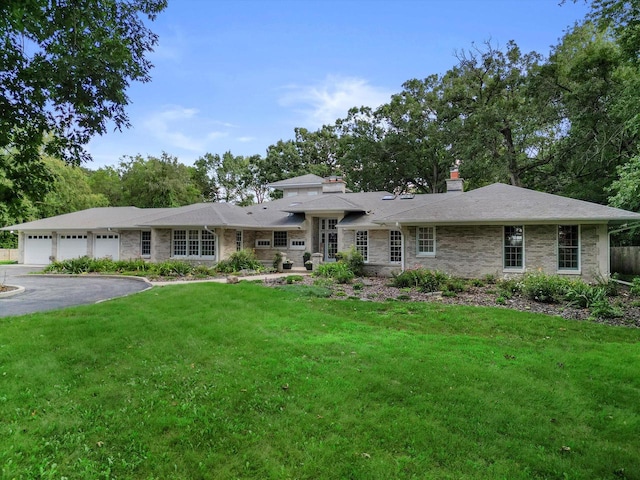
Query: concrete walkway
point(250, 278)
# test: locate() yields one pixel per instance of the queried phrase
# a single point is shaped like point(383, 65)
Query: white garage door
point(37, 249)
point(107, 245)
point(71, 246)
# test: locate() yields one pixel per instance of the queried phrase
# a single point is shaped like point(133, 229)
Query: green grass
point(241, 381)
point(8, 262)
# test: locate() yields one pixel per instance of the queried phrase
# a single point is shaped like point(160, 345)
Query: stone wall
point(475, 251)
point(130, 243)
point(160, 244)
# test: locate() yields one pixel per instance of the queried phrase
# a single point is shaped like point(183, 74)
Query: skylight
point(388, 197)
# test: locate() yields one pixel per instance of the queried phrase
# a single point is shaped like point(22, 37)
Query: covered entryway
point(71, 246)
point(107, 245)
point(37, 249)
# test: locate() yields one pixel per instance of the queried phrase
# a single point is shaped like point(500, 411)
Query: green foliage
point(455, 285)
point(353, 259)
point(241, 260)
point(545, 288)
point(336, 270)
point(306, 256)
point(293, 279)
point(66, 67)
point(422, 278)
point(157, 182)
point(583, 295)
point(129, 388)
point(508, 287)
point(635, 287)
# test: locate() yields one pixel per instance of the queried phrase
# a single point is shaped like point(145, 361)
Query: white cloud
point(325, 102)
point(169, 126)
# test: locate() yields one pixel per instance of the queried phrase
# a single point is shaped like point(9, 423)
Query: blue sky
point(239, 75)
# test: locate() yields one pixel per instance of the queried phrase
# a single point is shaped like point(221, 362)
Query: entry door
point(329, 238)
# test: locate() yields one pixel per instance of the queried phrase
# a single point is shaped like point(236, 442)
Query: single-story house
point(498, 229)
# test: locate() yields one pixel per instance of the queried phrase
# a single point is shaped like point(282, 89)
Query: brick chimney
point(334, 185)
point(455, 183)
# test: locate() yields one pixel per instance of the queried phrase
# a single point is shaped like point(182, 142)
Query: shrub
point(336, 270)
point(583, 295)
point(455, 285)
point(293, 278)
point(242, 260)
point(635, 287)
point(172, 268)
point(545, 288)
point(603, 309)
point(353, 259)
point(425, 280)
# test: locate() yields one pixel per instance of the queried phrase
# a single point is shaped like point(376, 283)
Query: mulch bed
point(379, 290)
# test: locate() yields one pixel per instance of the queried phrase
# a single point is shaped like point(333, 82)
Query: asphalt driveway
point(49, 293)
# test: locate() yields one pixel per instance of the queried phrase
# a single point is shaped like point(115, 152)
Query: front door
point(329, 238)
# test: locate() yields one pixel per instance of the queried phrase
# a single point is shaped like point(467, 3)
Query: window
point(513, 247)
point(194, 243)
point(263, 243)
point(395, 246)
point(297, 244)
point(207, 244)
point(145, 244)
point(280, 239)
point(238, 240)
point(426, 241)
point(179, 243)
point(362, 244)
point(568, 247)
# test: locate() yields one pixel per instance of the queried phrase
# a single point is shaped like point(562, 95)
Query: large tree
point(65, 67)
point(499, 128)
point(402, 145)
point(157, 182)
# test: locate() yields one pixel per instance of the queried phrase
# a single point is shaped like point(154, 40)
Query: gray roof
point(198, 214)
point(309, 180)
point(500, 203)
point(90, 219)
point(497, 203)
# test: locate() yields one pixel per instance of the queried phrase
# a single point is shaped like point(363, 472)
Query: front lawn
point(242, 381)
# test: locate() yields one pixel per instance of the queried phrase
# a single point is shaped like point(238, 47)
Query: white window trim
point(397, 262)
point(355, 244)
point(263, 243)
point(425, 254)
point(187, 256)
point(569, 271)
point(301, 244)
point(524, 258)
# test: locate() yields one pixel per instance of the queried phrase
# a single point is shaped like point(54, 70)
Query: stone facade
point(475, 251)
point(160, 244)
point(130, 244)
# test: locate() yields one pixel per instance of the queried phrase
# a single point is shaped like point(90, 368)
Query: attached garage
point(71, 246)
point(37, 249)
point(106, 245)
